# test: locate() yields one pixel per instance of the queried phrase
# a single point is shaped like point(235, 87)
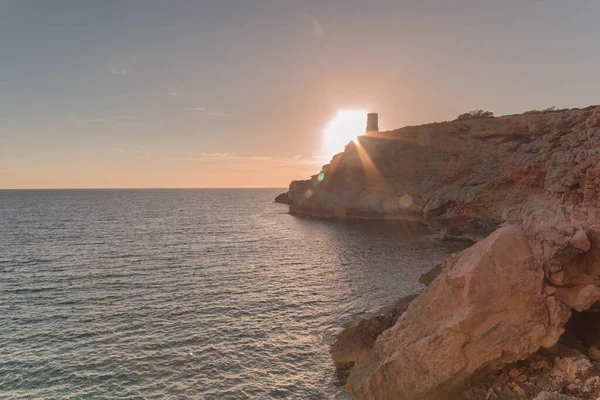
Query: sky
point(237, 93)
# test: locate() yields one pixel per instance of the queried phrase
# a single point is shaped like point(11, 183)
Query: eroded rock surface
point(553, 396)
point(486, 310)
point(556, 373)
point(463, 178)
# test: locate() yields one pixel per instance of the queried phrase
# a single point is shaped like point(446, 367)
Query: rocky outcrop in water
point(283, 198)
point(516, 314)
point(428, 277)
point(357, 339)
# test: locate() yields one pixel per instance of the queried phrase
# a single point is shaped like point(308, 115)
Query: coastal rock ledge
point(517, 314)
point(463, 178)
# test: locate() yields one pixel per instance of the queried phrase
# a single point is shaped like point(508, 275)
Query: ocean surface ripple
point(209, 294)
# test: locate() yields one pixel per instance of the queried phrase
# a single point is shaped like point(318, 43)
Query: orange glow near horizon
point(343, 128)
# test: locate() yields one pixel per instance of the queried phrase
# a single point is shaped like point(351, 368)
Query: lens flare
point(345, 127)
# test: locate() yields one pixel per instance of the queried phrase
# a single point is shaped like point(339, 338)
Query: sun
point(343, 128)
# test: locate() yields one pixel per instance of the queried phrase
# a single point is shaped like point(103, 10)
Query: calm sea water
point(209, 294)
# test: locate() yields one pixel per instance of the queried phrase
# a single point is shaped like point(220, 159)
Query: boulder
point(428, 277)
point(353, 343)
point(580, 297)
point(594, 353)
point(572, 368)
point(580, 241)
point(487, 309)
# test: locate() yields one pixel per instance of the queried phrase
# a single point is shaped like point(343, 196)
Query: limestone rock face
point(487, 309)
point(579, 298)
point(496, 303)
point(460, 177)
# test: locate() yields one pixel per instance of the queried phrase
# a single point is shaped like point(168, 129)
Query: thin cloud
point(118, 70)
point(317, 26)
point(85, 120)
point(204, 156)
point(172, 94)
point(139, 151)
point(205, 111)
point(297, 156)
point(101, 119)
point(216, 154)
point(222, 157)
point(233, 157)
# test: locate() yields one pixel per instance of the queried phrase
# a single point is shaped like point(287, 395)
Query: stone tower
point(372, 122)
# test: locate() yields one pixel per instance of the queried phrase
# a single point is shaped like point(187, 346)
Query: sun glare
point(345, 127)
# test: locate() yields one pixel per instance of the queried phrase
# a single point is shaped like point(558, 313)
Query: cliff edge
point(462, 177)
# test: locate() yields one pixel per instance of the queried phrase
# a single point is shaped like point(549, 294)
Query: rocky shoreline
point(517, 314)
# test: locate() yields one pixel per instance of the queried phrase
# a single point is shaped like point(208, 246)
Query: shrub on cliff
point(544, 111)
point(476, 114)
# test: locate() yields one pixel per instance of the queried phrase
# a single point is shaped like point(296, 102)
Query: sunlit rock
point(485, 310)
point(463, 177)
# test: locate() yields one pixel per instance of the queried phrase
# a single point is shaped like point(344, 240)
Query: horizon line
point(152, 188)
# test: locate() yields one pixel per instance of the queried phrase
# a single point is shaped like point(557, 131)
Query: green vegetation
point(544, 111)
point(475, 114)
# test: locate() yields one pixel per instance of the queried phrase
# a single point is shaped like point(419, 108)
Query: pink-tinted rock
point(579, 298)
point(549, 290)
point(594, 353)
point(573, 367)
point(353, 343)
point(485, 310)
point(554, 396)
point(580, 241)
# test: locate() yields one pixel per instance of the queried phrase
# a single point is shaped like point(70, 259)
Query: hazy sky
point(236, 93)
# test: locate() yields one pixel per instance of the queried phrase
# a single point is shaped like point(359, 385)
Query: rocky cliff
point(460, 177)
point(516, 315)
point(529, 291)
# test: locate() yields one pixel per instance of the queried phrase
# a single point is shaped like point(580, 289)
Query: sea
point(188, 294)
